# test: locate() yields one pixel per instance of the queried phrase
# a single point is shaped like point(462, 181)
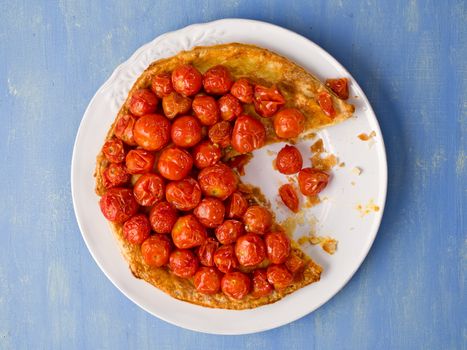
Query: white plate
point(337, 216)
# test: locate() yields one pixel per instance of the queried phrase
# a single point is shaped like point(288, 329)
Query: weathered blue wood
point(409, 56)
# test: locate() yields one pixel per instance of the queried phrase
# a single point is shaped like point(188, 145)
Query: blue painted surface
point(409, 57)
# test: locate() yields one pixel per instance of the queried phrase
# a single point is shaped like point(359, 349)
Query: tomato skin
point(118, 204)
point(188, 232)
point(161, 85)
point(279, 276)
point(243, 90)
point(218, 181)
point(257, 219)
point(294, 263)
point(267, 100)
point(250, 249)
point(219, 133)
point(339, 86)
point(149, 189)
point(325, 102)
point(289, 160)
point(312, 181)
point(113, 150)
point(225, 259)
point(186, 80)
point(186, 131)
point(115, 175)
point(248, 134)
point(163, 217)
point(206, 154)
point(156, 250)
point(184, 194)
point(229, 231)
point(175, 104)
point(261, 286)
point(183, 263)
point(207, 280)
point(205, 251)
point(289, 197)
point(277, 247)
point(236, 285)
point(137, 229)
point(124, 129)
point(206, 109)
point(217, 80)
point(139, 161)
point(152, 132)
point(236, 206)
point(143, 101)
point(230, 107)
point(210, 212)
point(174, 163)
point(289, 123)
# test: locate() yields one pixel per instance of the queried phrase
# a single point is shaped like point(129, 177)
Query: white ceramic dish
point(337, 216)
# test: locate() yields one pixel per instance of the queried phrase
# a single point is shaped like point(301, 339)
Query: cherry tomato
point(206, 154)
point(139, 161)
point(250, 249)
point(113, 151)
point(115, 175)
point(239, 162)
point(188, 232)
point(294, 263)
point(225, 259)
point(261, 286)
point(161, 85)
point(175, 104)
point(207, 280)
point(217, 80)
point(152, 132)
point(163, 217)
point(312, 181)
point(289, 197)
point(236, 206)
point(218, 181)
point(149, 189)
point(229, 231)
point(186, 80)
point(243, 90)
point(277, 246)
point(219, 133)
point(183, 194)
point(289, 123)
point(174, 163)
point(248, 134)
point(257, 219)
point(230, 107)
point(137, 229)
point(206, 109)
point(325, 102)
point(279, 276)
point(339, 86)
point(289, 160)
point(206, 251)
point(156, 250)
point(143, 101)
point(186, 131)
point(124, 129)
point(267, 100)
point(183, 263)
point(236, 285)
point(118, 204)
point(210, 212)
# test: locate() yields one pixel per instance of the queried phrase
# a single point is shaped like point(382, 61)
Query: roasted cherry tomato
point(183, 263)
point(149, 189)
point(156, 250)
point(229, 231)
point(210, 212)
point(230, 107)
point(312, 181)
point(188, 232)
point(186, 80)
point(289, 123)
point(206, 154)
point(175, 104)
point(267, 100)
point(115, 175)
point(236, 206)
point(279, 276)
point(218, 181)
point(236, 285)
point(261, 286)
point(183, 194)
point(225, 259)
point(257, 219)
point(161, 85)
point(277, 246)
point(206, 251)
point(325, 102)
point(163, 217)
point(289, 160)
point(339, 86)
point(217, 80)
point(118, 204)
point(174, 163)
point(206, 109)
point(289, 197)
point(250, 249)
point(152, 132)
point(137, 229)
point(113, 151)
point(294, 263)
point(207, 280)
point(142, 102)
point(243, 90)
point(139, 161)
point(186, 131)
point(248, 134)
point(124, 129)
point(219, 133)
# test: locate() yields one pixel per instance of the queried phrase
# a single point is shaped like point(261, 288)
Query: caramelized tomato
point(136, 229)
point(152, 132)
point(139, 161)
point(248, 134)
point(217, 80)
point(230, 107)
point(236, 206)
point(115, 175)
point(186, 131)
point(225, 259)
point(206, 154)
point(277, 246)
point(161, 85)
point(219, 133)
point(339, 86)
point(184, 194)
point(206, 251)
point(156, 250)
point(163, 217)
point(261, 286)
point(229, 231)
point(113, 151)
point(174, 163)
point(242, 90)
point(250, 249)
point(210, 212)
point(207, 280)
point(267, 100)
point(175, 104)
point(279, 276)
point(257, 219)
point(294, 263)
point(124, 129)
point(188, 232)
point(218, 181)
point(183, 263)
point(312, 181)
point(289, 197)
point(206, 109)
point(289, 123)
point(142, 102)
point(289, 160)
point(186, 80)
point(149, 189)
point(325, 102)
point(236, 285)
point(118, 205)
